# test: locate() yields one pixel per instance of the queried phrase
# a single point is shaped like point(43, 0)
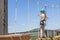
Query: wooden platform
point(43, 39)
point(15, 37)
point(54, 38)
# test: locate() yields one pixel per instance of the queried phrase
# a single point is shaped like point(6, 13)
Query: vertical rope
point(28, 15)
point(38, 10)
point(15, 16)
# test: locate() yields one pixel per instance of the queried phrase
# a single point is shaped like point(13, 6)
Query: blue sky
point(27, 21)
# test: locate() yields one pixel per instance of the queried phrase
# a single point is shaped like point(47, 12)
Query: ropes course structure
point(16, 9)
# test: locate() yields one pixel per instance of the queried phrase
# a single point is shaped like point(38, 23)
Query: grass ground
point(34, 37)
